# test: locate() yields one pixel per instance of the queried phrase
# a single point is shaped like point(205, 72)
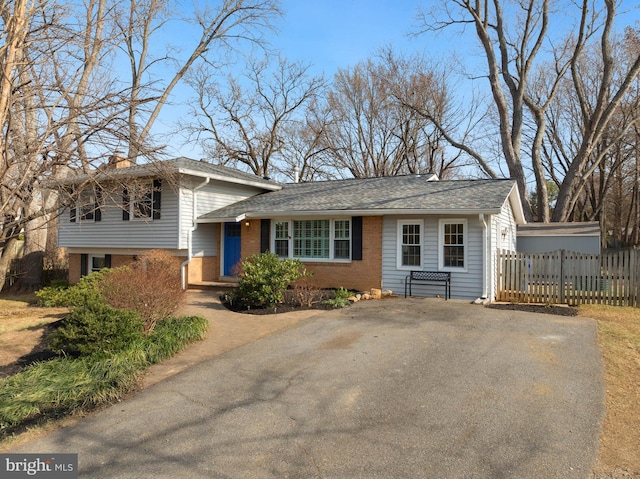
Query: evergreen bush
point(265, 278)
point(94, 329)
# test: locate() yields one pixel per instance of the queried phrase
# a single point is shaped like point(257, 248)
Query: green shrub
point(265, 278)
point(87, 290)
point(96, 328)
point(64, 385)
point(340, 298)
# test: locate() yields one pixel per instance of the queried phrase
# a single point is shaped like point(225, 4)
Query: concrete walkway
point(227, 331)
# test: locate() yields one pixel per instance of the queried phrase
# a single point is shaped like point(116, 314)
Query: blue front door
point(231, 247)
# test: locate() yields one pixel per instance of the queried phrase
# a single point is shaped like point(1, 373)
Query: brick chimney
point(118, 161)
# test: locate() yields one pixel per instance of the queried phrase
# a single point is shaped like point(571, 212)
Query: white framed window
point(410, 240)
point(342, 239)
point(282, 239)
point(313, 239)
point(96, 263)
point(452, 244)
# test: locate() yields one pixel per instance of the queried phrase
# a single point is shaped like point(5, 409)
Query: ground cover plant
point(65, 384)
point(107, 339)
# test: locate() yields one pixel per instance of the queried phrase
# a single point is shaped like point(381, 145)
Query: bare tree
point(62, 109)
point(373, 132)
point(222, 26)
point(246, 121)
point(513, 46)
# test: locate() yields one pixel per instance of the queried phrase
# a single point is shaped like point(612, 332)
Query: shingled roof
point(182, 165)
point(373, 196)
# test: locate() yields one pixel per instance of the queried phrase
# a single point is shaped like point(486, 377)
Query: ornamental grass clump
point(68, 384)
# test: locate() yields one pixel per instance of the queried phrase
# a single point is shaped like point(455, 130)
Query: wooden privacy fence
point(566, 277)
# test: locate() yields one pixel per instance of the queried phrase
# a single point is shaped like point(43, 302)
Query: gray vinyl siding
point(499, 222)
point(205, 240)
point(464, 284)
point(545, 244)
point(114, 232)
point(211, 197)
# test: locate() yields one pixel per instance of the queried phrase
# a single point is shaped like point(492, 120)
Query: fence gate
point(570, 278)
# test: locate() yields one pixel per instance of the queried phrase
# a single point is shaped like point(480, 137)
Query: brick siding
point(359, 275)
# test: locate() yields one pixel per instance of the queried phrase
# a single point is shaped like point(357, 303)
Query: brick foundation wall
point(74, 268)
point(201, 268)
point(359, 275)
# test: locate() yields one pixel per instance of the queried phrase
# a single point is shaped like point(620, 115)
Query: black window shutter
point(125, 204)
point(84, 264)
point(356, 238)
point(157, 196)
point(97, 214)
point(265, 226)
point(73, 206)
point(107, 261)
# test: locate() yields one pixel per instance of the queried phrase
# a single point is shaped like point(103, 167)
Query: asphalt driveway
point(416, 388)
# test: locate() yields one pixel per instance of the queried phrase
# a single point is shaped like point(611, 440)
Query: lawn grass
point(619, 340)
point(18, 313)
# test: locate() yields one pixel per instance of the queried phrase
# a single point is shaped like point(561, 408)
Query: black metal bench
point(429, 277)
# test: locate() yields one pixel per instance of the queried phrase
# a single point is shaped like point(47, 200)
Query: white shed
point(581, 237)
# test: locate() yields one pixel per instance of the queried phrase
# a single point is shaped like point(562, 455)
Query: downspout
point(486, 254)
point(194, 226)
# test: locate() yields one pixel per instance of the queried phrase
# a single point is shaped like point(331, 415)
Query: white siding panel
point(186, 215)
point(503, 222)
point(214, 195)
point(205, 240)
point(114, 232)
point(464, 285)
point(218, 194)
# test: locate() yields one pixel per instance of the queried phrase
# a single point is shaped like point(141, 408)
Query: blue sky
point(332, 34)
point(327, 35)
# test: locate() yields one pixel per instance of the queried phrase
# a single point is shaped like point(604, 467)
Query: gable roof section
point(182, 165)
point(372, 196)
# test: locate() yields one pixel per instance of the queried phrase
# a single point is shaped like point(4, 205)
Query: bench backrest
point(431, 275)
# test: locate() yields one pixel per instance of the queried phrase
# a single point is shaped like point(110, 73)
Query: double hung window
point(313, 239)
point(453, 244)
point(410, 237)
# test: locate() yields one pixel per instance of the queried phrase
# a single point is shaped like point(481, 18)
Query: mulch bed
point(536, 308)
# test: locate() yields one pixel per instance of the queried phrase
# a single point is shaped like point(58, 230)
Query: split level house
point(355, 233)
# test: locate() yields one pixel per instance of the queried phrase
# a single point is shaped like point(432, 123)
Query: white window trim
point(399, 226)
point(331, 258)
point(90, 262)
point(441, 223)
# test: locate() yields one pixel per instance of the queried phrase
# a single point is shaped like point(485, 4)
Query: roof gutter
point(367, 212)
point(194, 226)
point(230, 179)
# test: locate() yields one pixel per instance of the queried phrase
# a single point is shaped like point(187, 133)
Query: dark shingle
point(392, 193)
